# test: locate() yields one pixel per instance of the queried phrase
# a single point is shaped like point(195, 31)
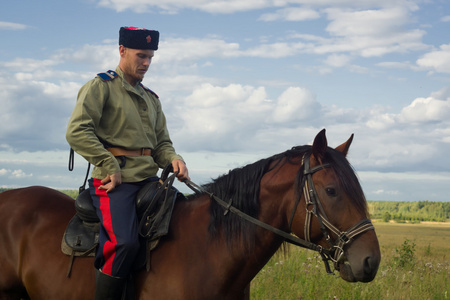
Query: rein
point(230, 208)
point(336, 251)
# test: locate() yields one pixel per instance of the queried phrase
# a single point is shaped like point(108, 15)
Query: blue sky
point(239, 81)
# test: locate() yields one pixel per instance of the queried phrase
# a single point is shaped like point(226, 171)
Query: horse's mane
point(242, 185)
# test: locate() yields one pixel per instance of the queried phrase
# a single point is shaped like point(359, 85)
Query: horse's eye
point(331, 192)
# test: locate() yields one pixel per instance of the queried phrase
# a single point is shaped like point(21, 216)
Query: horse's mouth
point(365, 275)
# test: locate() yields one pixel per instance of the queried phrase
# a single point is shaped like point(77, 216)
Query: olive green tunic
point(115, 113)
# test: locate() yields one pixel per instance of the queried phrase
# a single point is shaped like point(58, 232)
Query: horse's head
point(345, 207)
point(329, 208)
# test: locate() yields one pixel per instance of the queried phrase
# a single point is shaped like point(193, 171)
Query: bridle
point(314, 207)
point(335, 252)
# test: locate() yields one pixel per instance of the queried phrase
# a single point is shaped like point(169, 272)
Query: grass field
point(415, 265)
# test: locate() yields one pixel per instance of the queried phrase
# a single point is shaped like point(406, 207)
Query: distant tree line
point(410, 211)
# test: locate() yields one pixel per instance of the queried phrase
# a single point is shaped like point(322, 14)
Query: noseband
point(335, 252)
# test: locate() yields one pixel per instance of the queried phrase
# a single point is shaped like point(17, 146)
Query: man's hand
point(180, 167)
point(111, 182)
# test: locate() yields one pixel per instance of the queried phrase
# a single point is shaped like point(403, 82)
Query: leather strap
point(124, 152)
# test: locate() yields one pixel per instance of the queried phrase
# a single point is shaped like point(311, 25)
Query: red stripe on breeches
point(109, 248)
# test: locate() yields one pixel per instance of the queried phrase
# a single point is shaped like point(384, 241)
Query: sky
point(240, 81)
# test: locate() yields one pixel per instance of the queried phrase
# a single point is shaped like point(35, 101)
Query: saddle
point(154, 206)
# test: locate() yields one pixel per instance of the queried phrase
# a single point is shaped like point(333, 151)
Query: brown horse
point(208, 254)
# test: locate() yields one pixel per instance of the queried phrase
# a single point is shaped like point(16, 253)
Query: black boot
point(108, 287)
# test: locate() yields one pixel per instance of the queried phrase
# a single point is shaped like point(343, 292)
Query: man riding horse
point(118, 126)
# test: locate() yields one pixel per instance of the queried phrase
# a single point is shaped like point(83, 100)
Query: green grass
point(415, 265)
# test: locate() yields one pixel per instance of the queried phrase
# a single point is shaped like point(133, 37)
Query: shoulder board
point(149, 90)
point(109, 75)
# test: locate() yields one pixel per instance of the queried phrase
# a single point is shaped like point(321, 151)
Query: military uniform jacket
point(111, 111)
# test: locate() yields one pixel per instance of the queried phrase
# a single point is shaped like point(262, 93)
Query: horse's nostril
point(370, 267)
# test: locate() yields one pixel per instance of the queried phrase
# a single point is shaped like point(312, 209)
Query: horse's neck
point(191, 257)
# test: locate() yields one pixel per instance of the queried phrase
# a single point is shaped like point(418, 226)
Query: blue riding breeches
point(119, 238)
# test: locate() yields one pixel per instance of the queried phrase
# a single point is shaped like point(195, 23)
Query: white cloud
point(426, 110)
point(20, 174)
point(437, 60)
point(374, 22)
point(12, 26)
point(233, 6)
point(401, 186)
point(364, 28)
point(237, 117)
point(234, 93)
point(4, 172)
point(35, 117)
point(371, 32)
point(214, 114)
point(176, 50)
point(337, 60)
point(274, 50)
point(218, 114)
point(15, 174)
point(173, 6)
point(291, 14)
point(294, 105)
point(95, 57)
point(191, 49)
point(28, 64)
point(381, 121)
point(383, 192)
point(399, 65)
point(230, 6)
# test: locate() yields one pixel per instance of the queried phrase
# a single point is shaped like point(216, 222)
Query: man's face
point(134, 63)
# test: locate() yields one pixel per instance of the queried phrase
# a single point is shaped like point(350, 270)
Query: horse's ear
point(344, 147)
point(319, 146)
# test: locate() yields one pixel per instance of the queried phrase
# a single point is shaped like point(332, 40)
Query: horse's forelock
point(345, 173)
point(349, 180)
